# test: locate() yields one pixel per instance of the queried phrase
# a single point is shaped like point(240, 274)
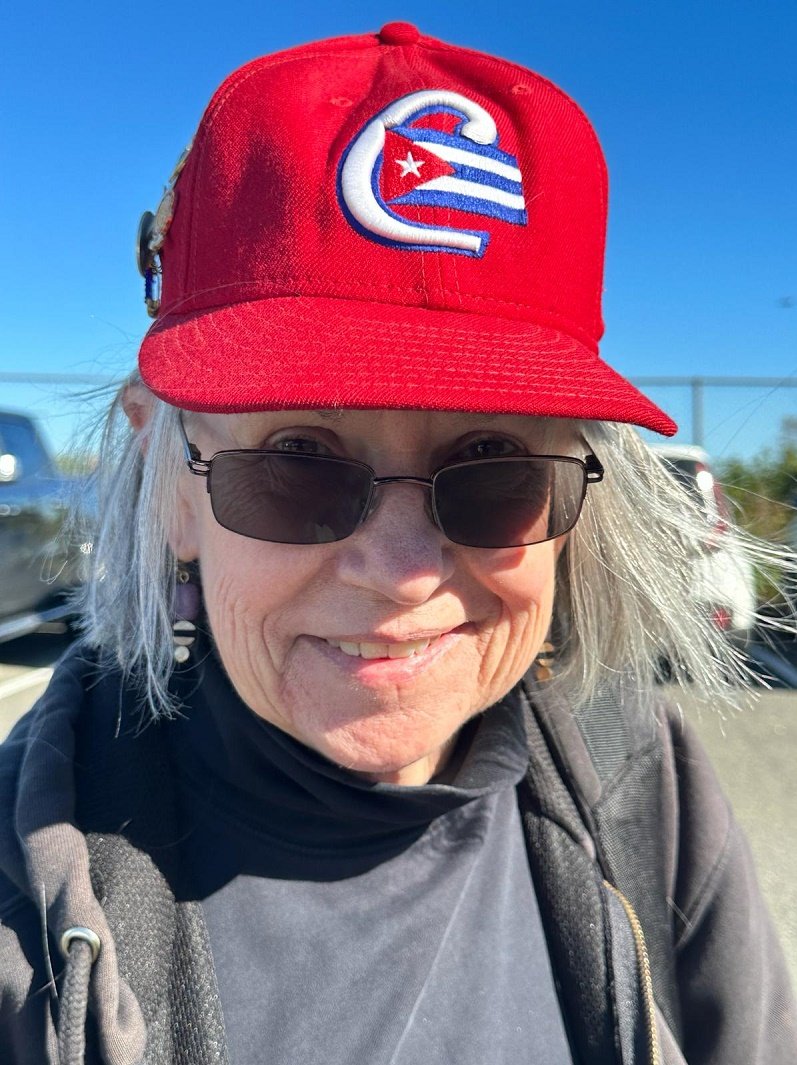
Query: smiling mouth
point(404, 649)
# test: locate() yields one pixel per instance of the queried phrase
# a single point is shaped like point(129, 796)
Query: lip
point(386, 670)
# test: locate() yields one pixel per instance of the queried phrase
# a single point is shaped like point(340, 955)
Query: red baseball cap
point(385, 221)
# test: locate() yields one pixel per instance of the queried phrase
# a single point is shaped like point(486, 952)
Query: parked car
point(722, 572)
point(37, 567)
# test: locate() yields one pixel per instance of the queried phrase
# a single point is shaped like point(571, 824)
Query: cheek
point(250, 591)
point(522, 585)
point(239, 593)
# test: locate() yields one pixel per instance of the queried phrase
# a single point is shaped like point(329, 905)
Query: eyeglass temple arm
point(594, 469)
point(193, 457)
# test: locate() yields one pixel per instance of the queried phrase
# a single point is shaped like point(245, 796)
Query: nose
point(398, 551)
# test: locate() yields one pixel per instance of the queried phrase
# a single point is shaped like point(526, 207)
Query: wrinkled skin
point(272, 607)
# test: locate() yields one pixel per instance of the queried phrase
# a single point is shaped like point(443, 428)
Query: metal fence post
point(697, 411)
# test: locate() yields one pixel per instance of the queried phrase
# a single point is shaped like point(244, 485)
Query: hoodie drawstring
point(80, 947)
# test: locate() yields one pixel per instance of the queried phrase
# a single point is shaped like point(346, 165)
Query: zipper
point(643, 961)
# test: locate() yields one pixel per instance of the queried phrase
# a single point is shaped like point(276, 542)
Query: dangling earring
point(186, 611)
point(543, 662)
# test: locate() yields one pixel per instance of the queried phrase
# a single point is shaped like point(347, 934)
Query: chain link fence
point(728, 416)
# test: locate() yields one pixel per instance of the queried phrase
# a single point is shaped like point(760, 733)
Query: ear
point(137, 402)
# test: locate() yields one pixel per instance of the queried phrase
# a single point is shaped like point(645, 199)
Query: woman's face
point(317, 638)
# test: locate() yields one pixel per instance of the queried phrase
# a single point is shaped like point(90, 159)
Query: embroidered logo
point(435, 149)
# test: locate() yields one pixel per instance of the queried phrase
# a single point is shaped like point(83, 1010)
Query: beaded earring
point(185, 612)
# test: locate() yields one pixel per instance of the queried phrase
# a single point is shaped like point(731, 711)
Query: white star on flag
point(410, 165)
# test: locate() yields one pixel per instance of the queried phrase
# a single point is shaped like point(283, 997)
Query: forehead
point(416, 425)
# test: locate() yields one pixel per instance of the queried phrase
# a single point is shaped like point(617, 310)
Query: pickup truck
point(36, 566)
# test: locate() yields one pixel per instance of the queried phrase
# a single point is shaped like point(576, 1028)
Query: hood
point(45, 855)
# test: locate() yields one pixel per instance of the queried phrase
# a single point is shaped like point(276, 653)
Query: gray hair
point(625, 601)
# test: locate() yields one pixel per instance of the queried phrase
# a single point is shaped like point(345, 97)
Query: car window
point(709, 495)
point(683, 470)
point(19, 438)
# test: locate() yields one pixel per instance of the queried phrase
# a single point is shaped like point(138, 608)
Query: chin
point(376, 749)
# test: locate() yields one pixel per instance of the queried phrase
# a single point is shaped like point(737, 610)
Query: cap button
point(399, 33)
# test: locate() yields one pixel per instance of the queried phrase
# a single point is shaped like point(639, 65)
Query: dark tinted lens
point(288, 499)
point(509, 502)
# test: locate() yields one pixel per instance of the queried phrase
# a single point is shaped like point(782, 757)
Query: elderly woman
point(361, 757)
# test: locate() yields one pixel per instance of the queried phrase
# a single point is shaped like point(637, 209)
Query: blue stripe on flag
point(435, 136)
point(457, 202)
point(485, 177)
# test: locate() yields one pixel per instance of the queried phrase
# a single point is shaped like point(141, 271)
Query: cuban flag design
point(432, 148)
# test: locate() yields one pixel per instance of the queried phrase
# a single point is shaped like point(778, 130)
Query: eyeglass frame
point(591, 464)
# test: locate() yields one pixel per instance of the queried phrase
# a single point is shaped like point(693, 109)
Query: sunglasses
point(289, 498)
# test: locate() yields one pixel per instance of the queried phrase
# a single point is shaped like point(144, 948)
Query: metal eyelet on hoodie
point(79, 932)
point(81, 947)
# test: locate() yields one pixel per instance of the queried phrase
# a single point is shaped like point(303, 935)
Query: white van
point(723, 572)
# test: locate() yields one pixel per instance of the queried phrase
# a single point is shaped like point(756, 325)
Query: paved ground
point(25, 668)
point(755, 755)
point(754, 752)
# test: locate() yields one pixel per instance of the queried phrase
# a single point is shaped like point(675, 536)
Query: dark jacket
point(661, 946)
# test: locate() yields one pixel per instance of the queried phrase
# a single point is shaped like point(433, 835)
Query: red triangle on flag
point(405, 166)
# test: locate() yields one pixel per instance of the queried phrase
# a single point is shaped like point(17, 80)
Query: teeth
point(372, 650)
point(382, 650)
point(404, 650)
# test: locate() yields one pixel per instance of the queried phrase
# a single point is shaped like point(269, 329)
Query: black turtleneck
point(358, 922)
point(297, 814)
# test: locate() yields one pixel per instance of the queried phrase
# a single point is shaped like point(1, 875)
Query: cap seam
point(423, 255)
point(216, 104)
point(289, 282)
point(447, 386)
point(431, 44)
point(285, 55)
point(190, 257)
point(567, 325)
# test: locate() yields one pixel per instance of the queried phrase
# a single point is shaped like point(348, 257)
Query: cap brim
point(306, 353)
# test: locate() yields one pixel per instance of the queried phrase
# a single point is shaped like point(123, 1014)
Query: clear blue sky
point(695, 103)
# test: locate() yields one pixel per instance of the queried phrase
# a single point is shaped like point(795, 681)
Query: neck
point(439, 763)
